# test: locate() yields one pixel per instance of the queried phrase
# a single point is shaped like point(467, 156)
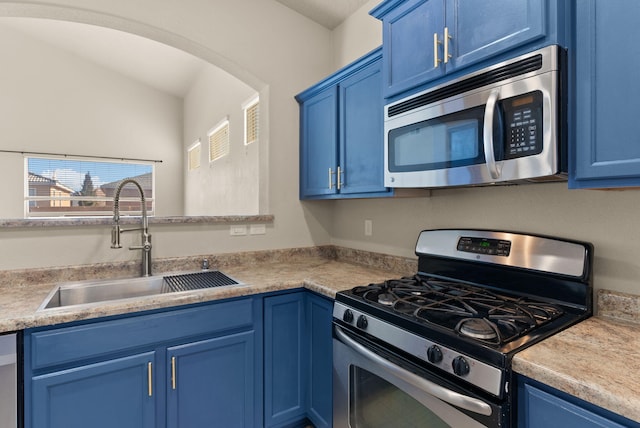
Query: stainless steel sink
point(100, 291)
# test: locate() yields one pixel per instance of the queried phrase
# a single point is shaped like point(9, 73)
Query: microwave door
point(437, 152)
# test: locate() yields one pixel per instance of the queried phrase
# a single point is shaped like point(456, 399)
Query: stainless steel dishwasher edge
point(8, 381)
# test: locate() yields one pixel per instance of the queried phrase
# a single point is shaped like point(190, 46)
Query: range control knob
point(460, 366)
point(434, 354)
point(347, 316)
point(362, 322)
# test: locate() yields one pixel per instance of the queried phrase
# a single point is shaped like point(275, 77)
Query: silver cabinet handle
point(150, 379)
point(436, 42)
point(444, 394)
point(488, 134)
point(445, 40)
point(331, 178)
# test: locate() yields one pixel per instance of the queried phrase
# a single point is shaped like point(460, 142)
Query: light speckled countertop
point(317, 270)
point(597, 360)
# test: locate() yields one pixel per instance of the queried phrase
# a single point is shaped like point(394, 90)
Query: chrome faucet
point(116, 231)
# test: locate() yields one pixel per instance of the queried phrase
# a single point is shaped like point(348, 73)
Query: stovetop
point(469, 311)
point(478, 298)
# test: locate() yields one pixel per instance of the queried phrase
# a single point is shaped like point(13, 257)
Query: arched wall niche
point(172, 39)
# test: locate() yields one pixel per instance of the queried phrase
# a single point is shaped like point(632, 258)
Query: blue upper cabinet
point(606, 145)
point(408, 44)
point(427, 39)
point(361, 132)
point(319, 144)
point(341, 134)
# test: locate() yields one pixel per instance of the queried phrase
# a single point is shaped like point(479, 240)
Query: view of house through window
point(71, 187)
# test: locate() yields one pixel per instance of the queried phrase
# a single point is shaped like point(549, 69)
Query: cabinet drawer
point(65, 345)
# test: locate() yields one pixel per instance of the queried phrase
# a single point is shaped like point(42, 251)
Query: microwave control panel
point(523, 125)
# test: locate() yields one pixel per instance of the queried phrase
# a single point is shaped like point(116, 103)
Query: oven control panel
point(493, 247)
point(463, 366)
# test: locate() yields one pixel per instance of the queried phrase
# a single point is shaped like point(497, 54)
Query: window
point(56, 187)
point(251, 117)
point(194, 155)
point(219, 141)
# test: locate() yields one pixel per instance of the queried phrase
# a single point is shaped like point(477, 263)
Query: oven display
point(494, 247)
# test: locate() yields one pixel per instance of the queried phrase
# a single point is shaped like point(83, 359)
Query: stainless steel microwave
point(502, 124)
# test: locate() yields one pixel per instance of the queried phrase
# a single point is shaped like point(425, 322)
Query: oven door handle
point(444, 394)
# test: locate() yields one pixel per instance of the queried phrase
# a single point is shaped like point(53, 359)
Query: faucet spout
point(145, 235)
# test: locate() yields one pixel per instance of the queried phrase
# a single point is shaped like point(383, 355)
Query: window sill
point(108, 221)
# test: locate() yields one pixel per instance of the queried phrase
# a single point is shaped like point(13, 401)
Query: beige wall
point(265, 44)
point(55, 102)
point(608, 219)
point(227, 186)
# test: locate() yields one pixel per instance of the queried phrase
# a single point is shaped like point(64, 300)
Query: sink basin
point(98, 291)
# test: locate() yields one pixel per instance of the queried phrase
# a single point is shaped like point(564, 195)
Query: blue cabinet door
point(424, 40)
point(114, 393)
point(341, 135)
point(320, 353)
point(361, 132)
point(540, 406)
point(408, 44)
point(319, 144)
point(212, 383)
point(481, 29)
point(605, 151)
point(284, 364)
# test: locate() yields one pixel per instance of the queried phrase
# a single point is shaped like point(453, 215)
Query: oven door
point(375, 389)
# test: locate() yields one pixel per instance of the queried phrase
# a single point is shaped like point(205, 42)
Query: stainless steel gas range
point(435, 349)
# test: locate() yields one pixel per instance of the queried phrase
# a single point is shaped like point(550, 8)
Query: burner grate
point(470, 311)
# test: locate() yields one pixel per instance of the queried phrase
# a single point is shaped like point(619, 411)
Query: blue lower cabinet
point(116, 393)
point(211, 382)
point(284, 365)
point(188, 367)
point(320, 356)
point(297, 360)
point(540, 406)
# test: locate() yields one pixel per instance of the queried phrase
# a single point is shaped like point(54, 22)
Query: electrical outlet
point(368, 228)
point(257, 229)
point(238, 230)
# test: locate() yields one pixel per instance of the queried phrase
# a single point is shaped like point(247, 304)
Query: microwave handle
point(489, 153)
point(444, 394)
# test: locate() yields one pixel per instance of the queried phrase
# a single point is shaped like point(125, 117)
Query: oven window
point(375, 403)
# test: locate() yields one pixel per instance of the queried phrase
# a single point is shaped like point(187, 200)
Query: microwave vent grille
point(505, 72)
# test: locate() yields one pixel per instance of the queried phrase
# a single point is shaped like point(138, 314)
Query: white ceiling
point(160, 66)
point(328, 13)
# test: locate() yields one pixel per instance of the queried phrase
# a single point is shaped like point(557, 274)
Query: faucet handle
point(115, 237)
point(205, 264)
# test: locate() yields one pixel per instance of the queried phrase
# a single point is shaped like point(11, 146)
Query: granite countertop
point(597, 360)
point(19, 302)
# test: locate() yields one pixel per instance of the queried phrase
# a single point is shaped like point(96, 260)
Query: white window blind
point(63, 186)
point(194, 156)
point(251, 119)
point(219, 141)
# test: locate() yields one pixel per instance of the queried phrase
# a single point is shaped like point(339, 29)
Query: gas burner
point(471, 311)
point(478, 328)
point(386, 299)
